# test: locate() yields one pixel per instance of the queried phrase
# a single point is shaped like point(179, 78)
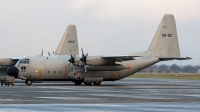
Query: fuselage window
point(60, 71)
point(23, 68)
point(54, 71)
point(26, 61)
point(48, 71)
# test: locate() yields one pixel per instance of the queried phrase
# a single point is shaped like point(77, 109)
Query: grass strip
point(168, 76)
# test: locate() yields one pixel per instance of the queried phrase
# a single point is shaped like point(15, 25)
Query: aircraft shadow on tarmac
point(116, 85)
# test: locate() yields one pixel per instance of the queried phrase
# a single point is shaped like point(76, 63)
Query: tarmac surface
point(129, 94)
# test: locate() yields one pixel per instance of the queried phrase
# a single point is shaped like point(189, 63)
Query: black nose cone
point(13, 71)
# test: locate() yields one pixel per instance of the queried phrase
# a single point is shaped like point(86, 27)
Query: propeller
point(83, 60)
point(48, 53)
point(71, 60)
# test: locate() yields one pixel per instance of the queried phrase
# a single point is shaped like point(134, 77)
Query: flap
point(120, 57)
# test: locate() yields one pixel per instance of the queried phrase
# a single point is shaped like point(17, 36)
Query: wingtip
point(188, 58)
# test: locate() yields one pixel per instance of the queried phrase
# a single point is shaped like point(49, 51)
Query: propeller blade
point(73, 69)
point(80, 64)
point(85, 68)
point(48, 53)
point(86, 55)
point(83, 58)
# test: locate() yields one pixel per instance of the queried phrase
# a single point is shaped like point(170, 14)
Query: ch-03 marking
point(166, 35)
point(95, 69)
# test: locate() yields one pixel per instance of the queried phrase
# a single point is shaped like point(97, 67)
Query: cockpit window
point(17, 64)
point(24, 61)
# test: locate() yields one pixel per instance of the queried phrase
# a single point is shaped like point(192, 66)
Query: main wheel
point(97, 83)
point(87, 83)
point(28, 82)
point(77, 82)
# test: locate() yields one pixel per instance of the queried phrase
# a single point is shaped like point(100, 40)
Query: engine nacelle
point(6, 62)
point(93, 61)
point(77, 62)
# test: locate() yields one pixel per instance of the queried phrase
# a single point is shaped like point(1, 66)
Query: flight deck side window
point(23, 68)
point(24, 61)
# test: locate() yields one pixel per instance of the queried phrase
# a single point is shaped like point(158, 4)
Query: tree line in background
point(171, 69)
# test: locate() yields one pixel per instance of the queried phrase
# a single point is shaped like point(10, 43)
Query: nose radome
point(13, 71)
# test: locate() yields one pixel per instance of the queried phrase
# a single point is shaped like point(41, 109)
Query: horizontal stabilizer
point(173, 58)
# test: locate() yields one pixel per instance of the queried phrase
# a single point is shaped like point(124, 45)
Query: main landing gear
point(97, 83)
point(90, 83)
point(77, 82)
point(86, 83)
point(28, 82)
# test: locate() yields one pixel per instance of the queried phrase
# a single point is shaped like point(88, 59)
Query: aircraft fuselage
point(51, 68)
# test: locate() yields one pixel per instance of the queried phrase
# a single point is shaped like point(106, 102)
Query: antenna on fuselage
point(42, 53)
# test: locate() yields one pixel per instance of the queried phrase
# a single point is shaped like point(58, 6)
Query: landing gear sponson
point(86, 83)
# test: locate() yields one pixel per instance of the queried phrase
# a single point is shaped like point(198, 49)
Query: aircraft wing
point(174, 58)
point(8, 61)
point(119, 58)
point(15, 59)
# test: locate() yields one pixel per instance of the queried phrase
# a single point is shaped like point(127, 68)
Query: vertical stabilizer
point(165, 42)
point(68, 41)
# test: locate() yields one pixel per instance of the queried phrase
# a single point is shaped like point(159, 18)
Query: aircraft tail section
point(165, 42)
point(68, 42)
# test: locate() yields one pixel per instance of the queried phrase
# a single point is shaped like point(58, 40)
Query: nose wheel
point(97, 83)
point(28, 82)
point(77, 82)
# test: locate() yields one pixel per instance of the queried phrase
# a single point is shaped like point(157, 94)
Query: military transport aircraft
point(95, 69)
point(68, 41)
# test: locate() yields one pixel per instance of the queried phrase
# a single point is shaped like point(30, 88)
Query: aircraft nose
point(13, 71)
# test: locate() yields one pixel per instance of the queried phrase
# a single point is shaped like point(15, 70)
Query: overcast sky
point(103, 26)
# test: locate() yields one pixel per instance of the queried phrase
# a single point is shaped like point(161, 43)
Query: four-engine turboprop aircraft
point(68, 42)
point(95, 69)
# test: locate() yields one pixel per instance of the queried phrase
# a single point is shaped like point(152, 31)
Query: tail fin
point(165, 42)
point(68, 41)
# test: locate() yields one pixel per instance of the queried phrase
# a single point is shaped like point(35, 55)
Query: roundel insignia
point(128, 66)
